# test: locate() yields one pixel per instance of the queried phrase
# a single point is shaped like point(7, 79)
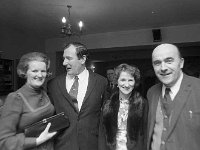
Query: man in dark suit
point(112, 83)
point(84, 110)
point(174, 104)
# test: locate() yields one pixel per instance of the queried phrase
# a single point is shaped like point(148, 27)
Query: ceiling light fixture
point(66, 29)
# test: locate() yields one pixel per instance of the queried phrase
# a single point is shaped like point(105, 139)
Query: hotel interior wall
point(172, 34)
point(14, 43)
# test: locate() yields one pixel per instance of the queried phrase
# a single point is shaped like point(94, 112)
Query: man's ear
point(182, 63)
point(83, 59)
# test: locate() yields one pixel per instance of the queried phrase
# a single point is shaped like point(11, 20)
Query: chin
point(166, 83)
point(70, 73)
point(126, 93)
point(164, 80)
point(38, 85)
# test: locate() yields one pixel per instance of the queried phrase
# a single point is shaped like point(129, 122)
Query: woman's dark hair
point(134, 71)
point(24, 61)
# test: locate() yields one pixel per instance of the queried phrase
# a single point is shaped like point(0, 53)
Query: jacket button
point(163, 142)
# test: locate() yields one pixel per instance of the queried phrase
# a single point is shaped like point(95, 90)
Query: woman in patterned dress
point(124, 114)
point(27, 105)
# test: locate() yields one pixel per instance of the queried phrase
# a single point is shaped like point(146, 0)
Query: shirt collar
point(175, 88)
point(83, 74)
point(124, 101)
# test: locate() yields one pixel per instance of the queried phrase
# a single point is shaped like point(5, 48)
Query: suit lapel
point(153, 108)
point(179, 102)
point(62, 87)
point(91, 85)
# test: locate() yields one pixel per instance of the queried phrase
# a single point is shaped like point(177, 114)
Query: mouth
point(126, 88)
point(165, 74)
point(39, 79)
point(68, 68)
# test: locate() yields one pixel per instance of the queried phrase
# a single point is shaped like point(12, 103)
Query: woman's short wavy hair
point(133, 70)
point(24, 61)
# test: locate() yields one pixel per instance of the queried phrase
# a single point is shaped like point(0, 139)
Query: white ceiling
point(43, 17)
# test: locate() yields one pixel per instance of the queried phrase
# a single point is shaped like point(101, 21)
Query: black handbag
point(58, 122)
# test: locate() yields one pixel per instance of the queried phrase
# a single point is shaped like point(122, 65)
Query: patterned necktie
point(74, 92)
point(167, 101)
point(111, 86)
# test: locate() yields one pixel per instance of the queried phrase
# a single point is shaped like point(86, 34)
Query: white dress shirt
point(82, 88)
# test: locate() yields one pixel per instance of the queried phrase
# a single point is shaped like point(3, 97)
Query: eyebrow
point(166, 59)
point(169, 58)
point(67, 57)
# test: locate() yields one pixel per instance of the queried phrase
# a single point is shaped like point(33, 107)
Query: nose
point(126, 83)
point(163, 67)
point(65, 61)
point(39, 74)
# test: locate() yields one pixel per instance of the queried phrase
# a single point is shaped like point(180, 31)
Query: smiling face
point(110, 75)
point(126, 83)
point(73, 64)
point(36, 74)
point(167, 64)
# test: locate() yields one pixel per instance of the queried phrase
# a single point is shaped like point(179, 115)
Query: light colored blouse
point(121, 138)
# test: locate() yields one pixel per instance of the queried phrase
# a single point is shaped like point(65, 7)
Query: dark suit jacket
point(111, 90)
point(84, 125)
point(184, 131)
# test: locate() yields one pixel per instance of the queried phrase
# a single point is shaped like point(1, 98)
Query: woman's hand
point(45, 135)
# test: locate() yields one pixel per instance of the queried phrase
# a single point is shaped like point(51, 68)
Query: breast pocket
point(193, 118)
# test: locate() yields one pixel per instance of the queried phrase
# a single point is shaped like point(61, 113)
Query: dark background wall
point(139, 56)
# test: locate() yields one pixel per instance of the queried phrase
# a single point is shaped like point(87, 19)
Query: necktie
point(167, 102)
point(111, 86)
point(74, 92)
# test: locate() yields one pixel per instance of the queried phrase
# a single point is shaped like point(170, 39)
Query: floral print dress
point(121, 137)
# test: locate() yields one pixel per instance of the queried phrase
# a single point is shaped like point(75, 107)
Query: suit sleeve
point(105, 93)
point(10, 139)
point(49, 90)
point(144, 122)
point(102, 139)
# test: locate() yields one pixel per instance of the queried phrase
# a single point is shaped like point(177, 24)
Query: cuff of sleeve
point(29, 143)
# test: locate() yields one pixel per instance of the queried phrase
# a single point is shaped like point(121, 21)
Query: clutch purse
point(58, 122)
